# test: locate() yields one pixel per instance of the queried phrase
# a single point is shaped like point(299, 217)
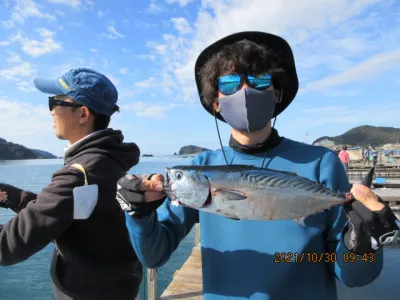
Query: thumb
point(151, 185)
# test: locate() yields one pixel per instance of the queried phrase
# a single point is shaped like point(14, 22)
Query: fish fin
point(229, 194)
point(283, 172)
point(300, 221)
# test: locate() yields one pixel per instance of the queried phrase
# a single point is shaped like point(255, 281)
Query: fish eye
point(179, 175)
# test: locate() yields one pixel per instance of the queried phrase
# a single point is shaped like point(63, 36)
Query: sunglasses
point(231, 83)
point(55, 102)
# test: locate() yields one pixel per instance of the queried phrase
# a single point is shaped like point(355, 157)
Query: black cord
point(219, 137)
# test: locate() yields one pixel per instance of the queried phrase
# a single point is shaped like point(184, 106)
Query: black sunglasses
point(55, 102)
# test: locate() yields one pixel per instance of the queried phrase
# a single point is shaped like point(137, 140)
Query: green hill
point(9, 150)
point(366, 135)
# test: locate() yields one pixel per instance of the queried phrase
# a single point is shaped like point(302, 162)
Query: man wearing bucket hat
point(245, 80)
point(93, 257)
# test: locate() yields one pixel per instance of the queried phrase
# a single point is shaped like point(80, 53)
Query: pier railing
point(150, 284)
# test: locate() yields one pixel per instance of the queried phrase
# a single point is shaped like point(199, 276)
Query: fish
point(245, 192)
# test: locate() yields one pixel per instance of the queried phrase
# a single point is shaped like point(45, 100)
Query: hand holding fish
point(140, 195)
point(367, 197)
point(372, 223)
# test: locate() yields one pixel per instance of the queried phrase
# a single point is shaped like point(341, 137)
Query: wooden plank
point(388, 194)
point(187, 282)
point(152, 284)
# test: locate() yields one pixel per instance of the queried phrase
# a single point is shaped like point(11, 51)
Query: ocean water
point(31, 279)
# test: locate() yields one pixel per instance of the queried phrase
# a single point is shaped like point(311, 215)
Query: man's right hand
point(140, 195)
point(3, 196)
point(10, 196)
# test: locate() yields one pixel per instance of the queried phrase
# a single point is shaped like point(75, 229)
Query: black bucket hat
point(273, 42)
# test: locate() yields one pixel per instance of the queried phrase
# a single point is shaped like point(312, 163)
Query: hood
point(107, 142)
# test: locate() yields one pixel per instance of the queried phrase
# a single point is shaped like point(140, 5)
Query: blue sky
point(347, 54)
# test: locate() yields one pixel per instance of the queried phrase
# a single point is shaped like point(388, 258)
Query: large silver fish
point(247, 192)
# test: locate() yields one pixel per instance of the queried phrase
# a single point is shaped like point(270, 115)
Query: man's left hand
point(372, 223)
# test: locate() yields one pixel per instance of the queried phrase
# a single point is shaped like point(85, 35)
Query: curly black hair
point(244, 57)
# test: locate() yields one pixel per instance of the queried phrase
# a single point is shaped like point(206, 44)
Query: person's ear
point(85, 115)
point(216, 106)
point(279, 95)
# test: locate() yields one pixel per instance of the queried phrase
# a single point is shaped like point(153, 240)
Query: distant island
point(362, 136)
point(191, 149)
point(10, 151)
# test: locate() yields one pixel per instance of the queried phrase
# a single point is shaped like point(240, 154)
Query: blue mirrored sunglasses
point(231, 83)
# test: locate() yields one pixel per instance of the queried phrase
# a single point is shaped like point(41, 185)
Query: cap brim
point(48, 86)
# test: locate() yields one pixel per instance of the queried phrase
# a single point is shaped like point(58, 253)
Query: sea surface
point(31, 279)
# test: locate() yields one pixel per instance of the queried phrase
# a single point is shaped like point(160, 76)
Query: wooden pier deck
point(187, 281)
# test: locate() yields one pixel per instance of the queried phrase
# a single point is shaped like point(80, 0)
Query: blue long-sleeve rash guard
point(239, 257)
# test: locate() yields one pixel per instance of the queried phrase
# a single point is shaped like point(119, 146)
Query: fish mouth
point(208, 200)
point(170, 193)
point(175, 201)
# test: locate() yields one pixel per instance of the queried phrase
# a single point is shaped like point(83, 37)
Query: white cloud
point(17, 70)
point(335, 115)
point(26, 86)
point(182, 3)
point(182, 25)
point(155, 111)
point(113, 33)
point(35, 47)
point(145, 110)
point(102, 13)
point(60, 13)
point(93, 50)
point(22, 120)
point(154, 7)
point(159, 48)
point(123, 71)
point(145, 25)
point(366, 69)
point(73, 3)
point(24, 9)
point(146, 83)
point(142, 56)
point(310, 26)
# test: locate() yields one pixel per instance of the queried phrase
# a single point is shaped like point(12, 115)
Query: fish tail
point(367, 180)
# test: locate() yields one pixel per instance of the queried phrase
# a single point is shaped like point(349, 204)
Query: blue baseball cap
point(86, 86)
